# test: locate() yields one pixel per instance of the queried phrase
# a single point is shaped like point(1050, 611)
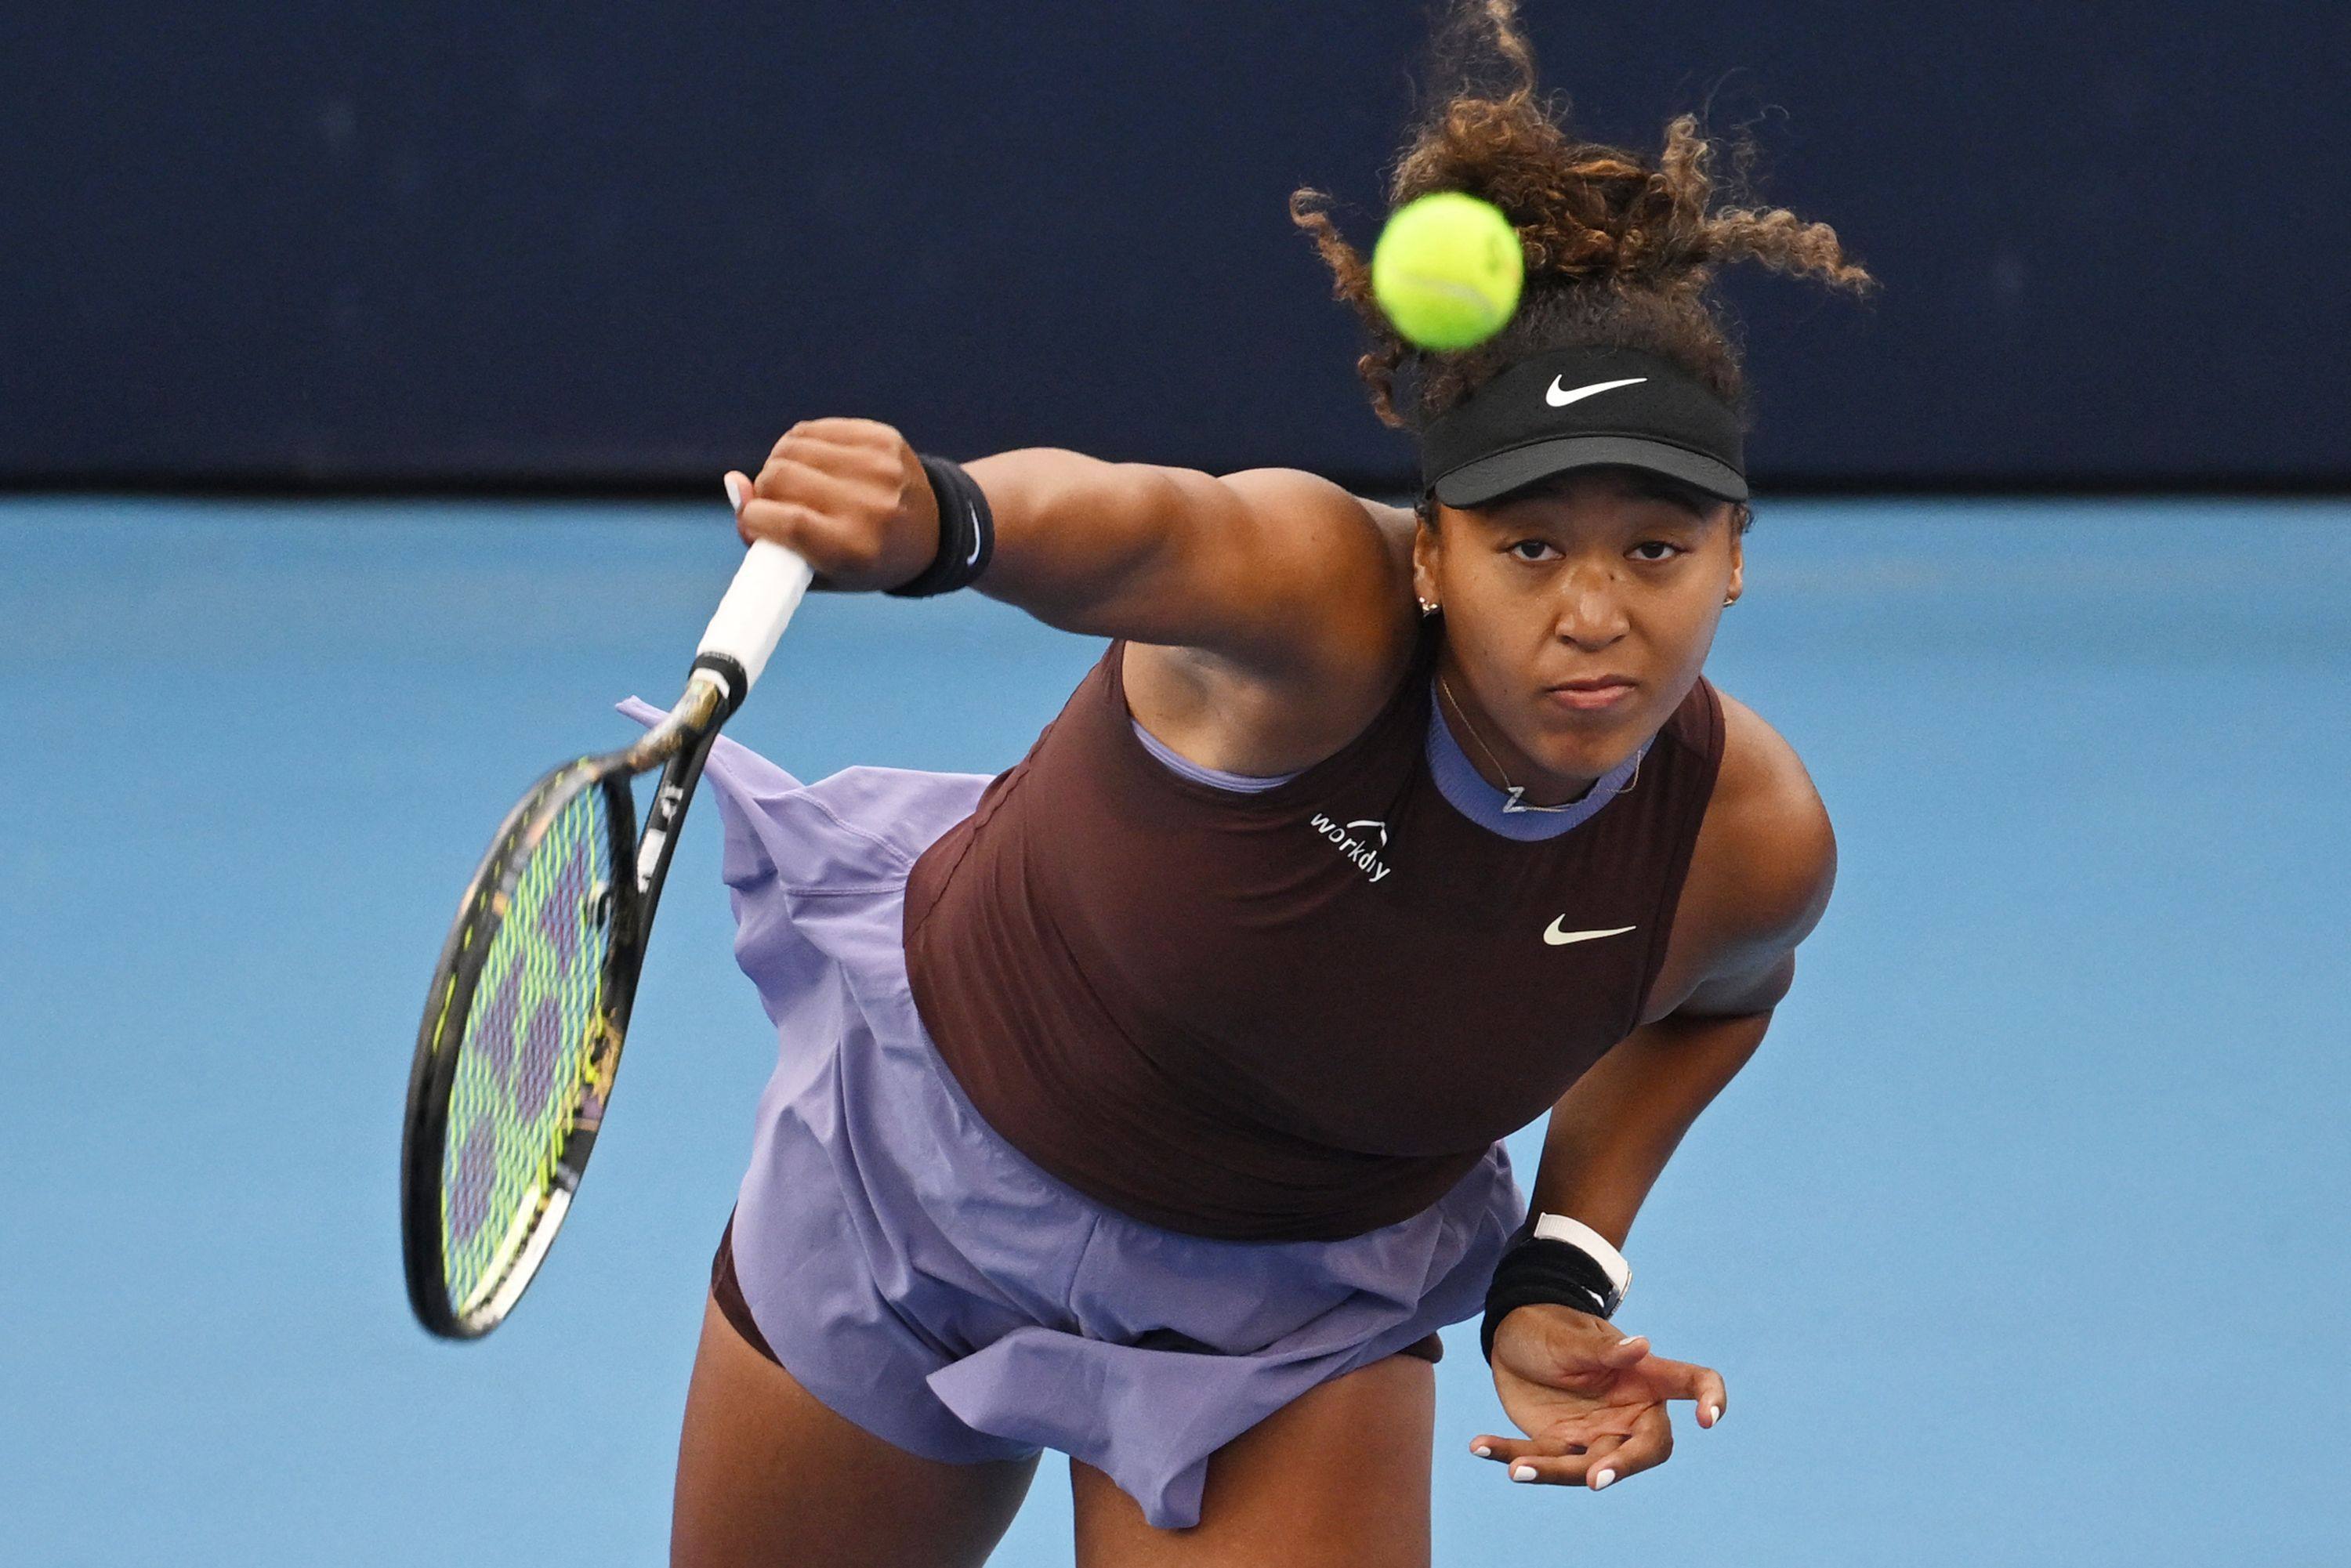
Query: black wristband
point(1536, 1271)
point(967, 533)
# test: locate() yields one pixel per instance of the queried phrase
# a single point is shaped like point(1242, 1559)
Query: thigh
point(767, 1475)
point(1339, 1476)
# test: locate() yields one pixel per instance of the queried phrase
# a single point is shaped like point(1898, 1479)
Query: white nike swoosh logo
point(972, 559)
point(1559, 938)
point(1559, 399)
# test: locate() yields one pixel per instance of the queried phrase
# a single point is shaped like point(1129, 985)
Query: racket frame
point(679, 746)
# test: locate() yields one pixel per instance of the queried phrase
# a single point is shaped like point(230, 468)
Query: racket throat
point(681, 741)
point(653, 849)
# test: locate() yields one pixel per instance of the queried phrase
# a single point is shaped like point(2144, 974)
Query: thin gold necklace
point(1517, 802)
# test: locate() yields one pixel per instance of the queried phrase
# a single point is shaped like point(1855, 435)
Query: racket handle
point(768, 587)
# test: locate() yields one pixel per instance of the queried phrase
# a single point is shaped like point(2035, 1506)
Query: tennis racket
point(529, 1003)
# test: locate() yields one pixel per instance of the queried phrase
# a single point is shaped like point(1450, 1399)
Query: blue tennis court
point(2023, 1240)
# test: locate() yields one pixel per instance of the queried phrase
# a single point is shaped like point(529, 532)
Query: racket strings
point(528, 1056)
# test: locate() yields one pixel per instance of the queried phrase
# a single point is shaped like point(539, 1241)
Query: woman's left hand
point(1590, 1401)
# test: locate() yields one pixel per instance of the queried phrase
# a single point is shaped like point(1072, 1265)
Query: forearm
point(1612, 1133)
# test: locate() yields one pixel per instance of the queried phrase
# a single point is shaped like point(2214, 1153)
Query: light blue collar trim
point(1184, 766)
point(1479, 802)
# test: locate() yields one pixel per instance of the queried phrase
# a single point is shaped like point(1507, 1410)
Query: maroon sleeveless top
point(1300, 1013)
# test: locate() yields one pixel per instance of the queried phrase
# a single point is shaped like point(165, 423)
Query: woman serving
point(1144, 1102)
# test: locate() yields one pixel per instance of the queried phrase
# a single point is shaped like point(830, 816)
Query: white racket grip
point(768, 587)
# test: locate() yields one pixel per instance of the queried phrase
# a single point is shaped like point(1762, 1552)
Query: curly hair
point(1621, 248)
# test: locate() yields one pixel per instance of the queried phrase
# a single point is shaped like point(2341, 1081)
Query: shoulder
point(1761, 874)
point(1767, 831)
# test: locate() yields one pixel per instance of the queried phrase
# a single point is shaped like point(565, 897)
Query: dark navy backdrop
point(599, 241)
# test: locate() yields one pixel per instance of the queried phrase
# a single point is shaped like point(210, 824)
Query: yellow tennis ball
point(1448, 271)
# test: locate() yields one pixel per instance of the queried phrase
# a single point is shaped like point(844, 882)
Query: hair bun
point(1620, 247)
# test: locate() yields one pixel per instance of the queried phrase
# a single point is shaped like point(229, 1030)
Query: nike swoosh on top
point(1559, 938)
point(1554, 396)
point(972, 559)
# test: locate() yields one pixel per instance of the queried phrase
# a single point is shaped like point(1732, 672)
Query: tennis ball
point(1446, 270)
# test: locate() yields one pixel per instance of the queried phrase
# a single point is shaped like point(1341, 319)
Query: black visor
point(1584, 408)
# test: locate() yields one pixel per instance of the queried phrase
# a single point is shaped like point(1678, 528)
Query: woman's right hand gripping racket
point(523, 1024)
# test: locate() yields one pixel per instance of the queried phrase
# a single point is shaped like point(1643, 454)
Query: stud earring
point(1428, 607)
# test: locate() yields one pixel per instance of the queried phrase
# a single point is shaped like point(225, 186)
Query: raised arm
point(1267, 611)
point(1279, 574)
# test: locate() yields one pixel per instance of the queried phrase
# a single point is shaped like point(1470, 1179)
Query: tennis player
point(1143, 1101)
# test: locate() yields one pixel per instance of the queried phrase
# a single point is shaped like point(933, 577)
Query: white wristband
point(1576, 1234)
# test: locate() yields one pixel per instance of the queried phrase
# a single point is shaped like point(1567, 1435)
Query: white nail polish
point(1600, 1482)
point(1482, 1451)
point(1522, 1472)
point(735, 492)
point(1713, 1414)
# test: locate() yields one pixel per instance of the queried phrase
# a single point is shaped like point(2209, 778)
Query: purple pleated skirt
point(921, 1276)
